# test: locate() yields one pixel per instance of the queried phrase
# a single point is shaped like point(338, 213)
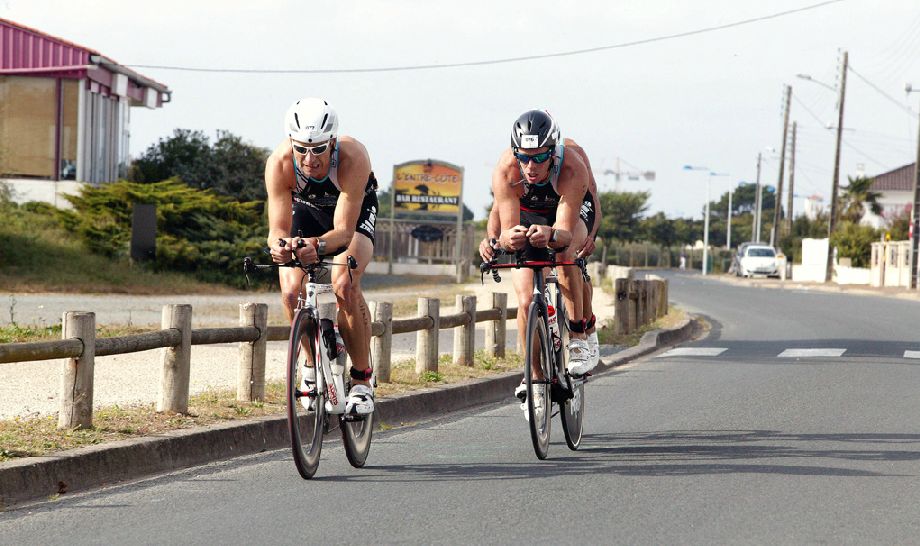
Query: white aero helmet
point(311, 120)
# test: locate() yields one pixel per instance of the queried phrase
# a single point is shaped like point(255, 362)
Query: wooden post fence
point(496, 331)
point(465, 334)
point(250, 385)
point(426, 346)
point(176, 360)
point(77, 377)
point(382, 345)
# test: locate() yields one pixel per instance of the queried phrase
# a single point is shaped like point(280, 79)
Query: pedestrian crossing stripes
point(694, 351)
point(792, 352)
point(811, 353)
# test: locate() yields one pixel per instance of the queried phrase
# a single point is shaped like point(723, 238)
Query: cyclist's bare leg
point(570, 278)
point(354, 315)
point(587, 307)
point(523, 287)
point(291, 280)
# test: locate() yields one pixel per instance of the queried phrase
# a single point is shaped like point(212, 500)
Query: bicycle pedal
point(352, 417)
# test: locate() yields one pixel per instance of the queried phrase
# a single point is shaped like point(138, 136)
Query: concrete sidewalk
point(861, 289)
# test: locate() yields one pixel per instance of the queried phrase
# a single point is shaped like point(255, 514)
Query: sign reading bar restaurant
point(427, 186)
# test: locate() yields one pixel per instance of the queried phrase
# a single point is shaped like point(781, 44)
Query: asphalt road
point(747, 445)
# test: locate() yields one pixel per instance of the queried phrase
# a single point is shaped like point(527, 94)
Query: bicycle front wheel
point(537, 376)
point(306, 409)
point(356, 435)
point(572, 412)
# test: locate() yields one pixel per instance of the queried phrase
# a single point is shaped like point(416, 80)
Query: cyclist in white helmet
point(321, 189)
point(539, 191)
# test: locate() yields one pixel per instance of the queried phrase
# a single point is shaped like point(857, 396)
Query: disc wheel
point(305, 425)
point(356, 435)
point(539, 403)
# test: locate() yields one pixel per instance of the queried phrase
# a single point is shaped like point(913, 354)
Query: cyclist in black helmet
point(590, 214)
point(539, 191)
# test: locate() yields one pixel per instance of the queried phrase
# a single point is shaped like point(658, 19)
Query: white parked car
point(757, 260)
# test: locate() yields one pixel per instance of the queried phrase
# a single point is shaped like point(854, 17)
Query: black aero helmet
point(534, 129)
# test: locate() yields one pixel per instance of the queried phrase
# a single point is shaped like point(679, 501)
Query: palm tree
point(856, 196)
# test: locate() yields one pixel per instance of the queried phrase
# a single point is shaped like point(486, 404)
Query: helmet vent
point(296, 120)
point(323, 124)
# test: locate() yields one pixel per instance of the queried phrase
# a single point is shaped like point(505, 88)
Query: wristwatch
point(320, 247)
point(552, 235)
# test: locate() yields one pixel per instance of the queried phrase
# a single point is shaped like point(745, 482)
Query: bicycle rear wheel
point(572, 412)
point(539, 403)
point(306, 426)
point(356, 435)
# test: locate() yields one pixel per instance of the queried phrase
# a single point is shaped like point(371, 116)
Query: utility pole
point(778, 209)
point(915, 213)
point(787, 224)
point(758, 202)
point(829, 272)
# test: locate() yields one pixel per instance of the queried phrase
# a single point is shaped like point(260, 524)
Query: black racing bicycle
point(545, 376)
point(317, 408)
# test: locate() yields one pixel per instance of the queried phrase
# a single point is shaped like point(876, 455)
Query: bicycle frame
point(539, 291)
point(335, 389)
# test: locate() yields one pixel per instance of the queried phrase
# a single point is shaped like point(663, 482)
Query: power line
point(493, 61)
point(884, 94)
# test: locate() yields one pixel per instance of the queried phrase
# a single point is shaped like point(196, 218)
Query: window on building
point(70, 91)
point(27, 122)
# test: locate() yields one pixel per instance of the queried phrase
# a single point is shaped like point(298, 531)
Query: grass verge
point(36, 436)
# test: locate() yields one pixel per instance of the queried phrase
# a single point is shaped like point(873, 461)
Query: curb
point(39, 478)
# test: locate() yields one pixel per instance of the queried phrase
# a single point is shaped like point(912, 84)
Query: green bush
point(198, 231)
point(854, 241)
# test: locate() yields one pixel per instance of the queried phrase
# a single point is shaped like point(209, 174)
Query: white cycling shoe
point(520, 392)
point(360, 400)
point(594, 348)
point(580, 361)
point(307, 383)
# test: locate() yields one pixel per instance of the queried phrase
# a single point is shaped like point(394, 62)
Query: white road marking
point(911, 354)
point(694, 351)
point(810, 353)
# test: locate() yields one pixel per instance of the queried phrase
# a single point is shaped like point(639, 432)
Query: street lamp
point(808, 77)
point(841, 96)
point(728, 235)
point(706, 214)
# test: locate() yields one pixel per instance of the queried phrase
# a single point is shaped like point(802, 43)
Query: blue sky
point(710, 99)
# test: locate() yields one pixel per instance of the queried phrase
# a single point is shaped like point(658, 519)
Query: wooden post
point(426, 345)
point(652, 301)
point(663, 297)
point(382, 345)
point(176, 360)
point(633, 305)
point(250, 385)
point(77, 376)
point(465, 334)
point(621, 306)
point(496, 330)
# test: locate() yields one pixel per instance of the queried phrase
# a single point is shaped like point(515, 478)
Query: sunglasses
point(315, 150)
point(542, 157)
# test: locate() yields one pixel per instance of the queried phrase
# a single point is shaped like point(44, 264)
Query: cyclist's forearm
point(337, 239)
